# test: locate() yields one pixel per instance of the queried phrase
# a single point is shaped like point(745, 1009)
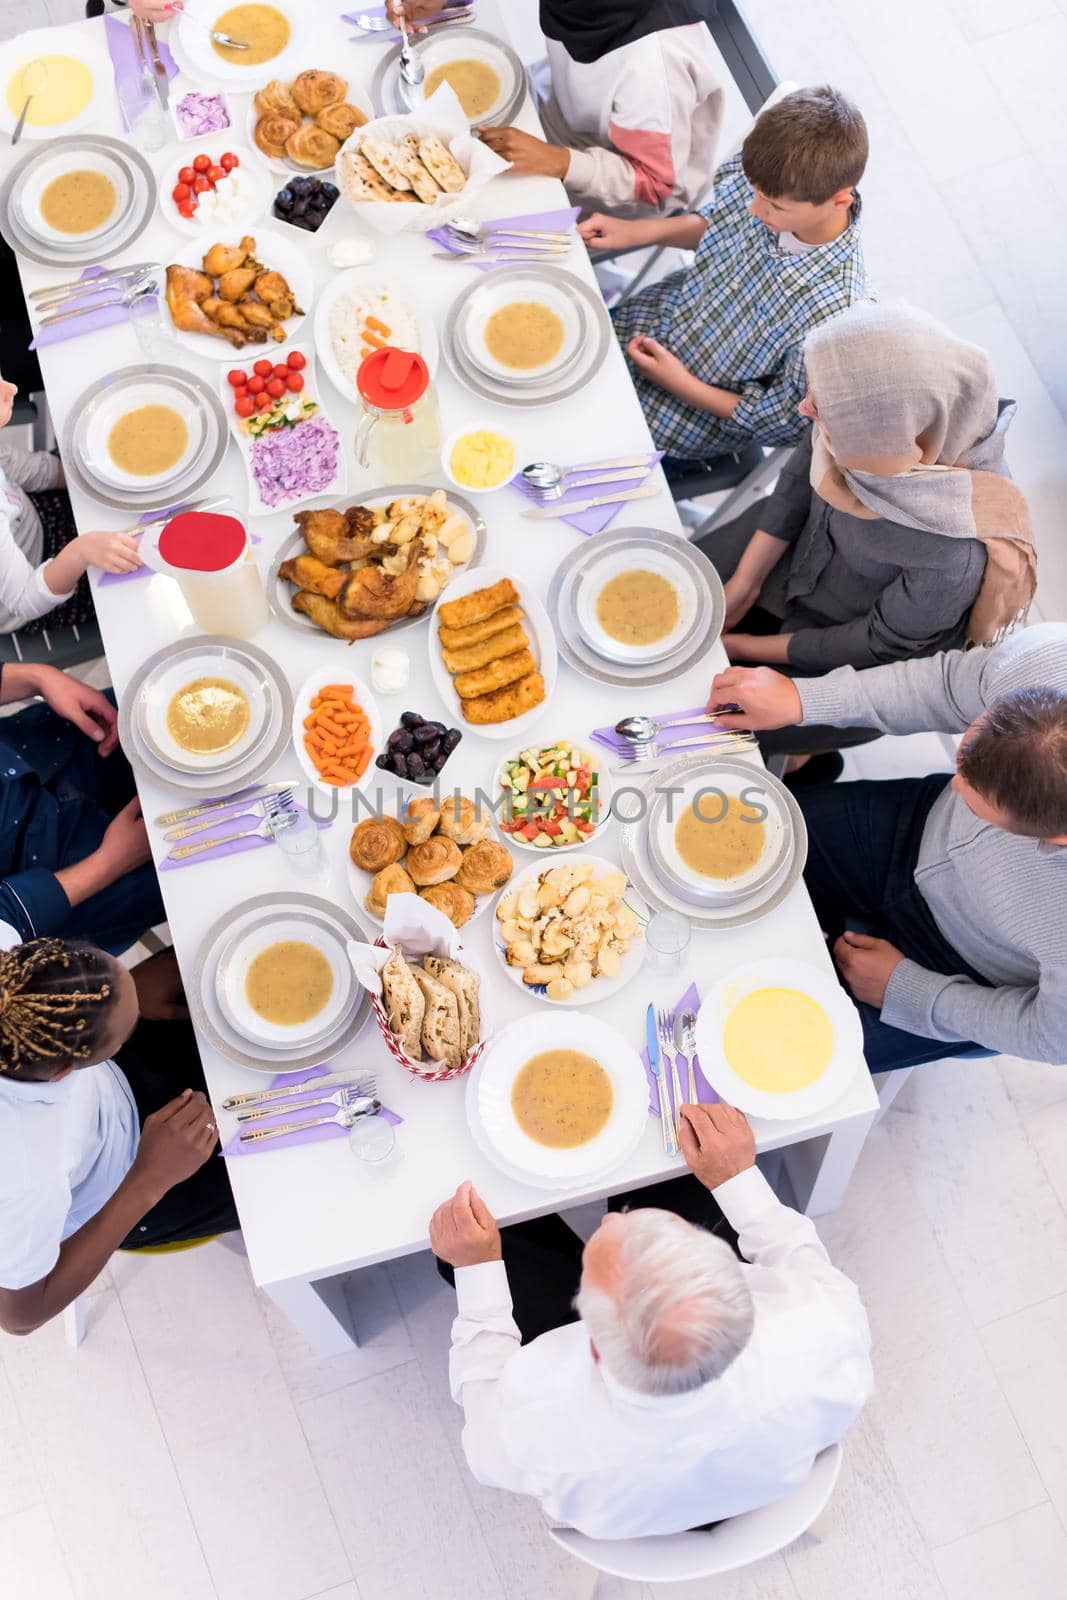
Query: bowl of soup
point(204, 714)
point(483, 77)
point(284, 981)
point(145, 435)
point(521, 330)
point(275, 31)
point(71, 199)
point(721, 836)
point(557, 1099)
point(637, 605)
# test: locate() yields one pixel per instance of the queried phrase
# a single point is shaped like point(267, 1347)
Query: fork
point(135, 292)
point(689, 1034)
point(276, 822)
point(266, 807)
point(727, 739)
point(344, 1118)
point(349, 1095)
point(665, 1027)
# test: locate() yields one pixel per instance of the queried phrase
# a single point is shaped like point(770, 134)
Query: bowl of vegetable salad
point(553, 796)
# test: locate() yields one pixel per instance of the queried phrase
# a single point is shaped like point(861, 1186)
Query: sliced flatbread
point(464, 985)
point(442, 164)
point(440, 1024)
point(383, 158)
point(405, 1007)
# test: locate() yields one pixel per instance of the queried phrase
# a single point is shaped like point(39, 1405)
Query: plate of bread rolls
point(299, 124)
point(441, 849)
point(492, 654)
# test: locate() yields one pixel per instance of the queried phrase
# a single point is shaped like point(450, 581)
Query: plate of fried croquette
point(492, 653)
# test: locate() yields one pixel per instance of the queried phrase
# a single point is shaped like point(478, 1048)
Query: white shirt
point(548, 1420)
point(64, 1149)
point(24, 594)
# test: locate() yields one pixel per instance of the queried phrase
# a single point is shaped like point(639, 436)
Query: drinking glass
point(667, 936)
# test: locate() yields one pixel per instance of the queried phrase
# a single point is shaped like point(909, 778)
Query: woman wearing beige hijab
point(895, 530)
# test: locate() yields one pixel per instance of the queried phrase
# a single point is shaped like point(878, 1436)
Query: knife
point(81, 288)
point(162, 82)
point(669, 1143)
point(587, 505)
point(254, 791)
point(255, 1097)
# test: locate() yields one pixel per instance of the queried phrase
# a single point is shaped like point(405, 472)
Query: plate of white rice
point(354, 318)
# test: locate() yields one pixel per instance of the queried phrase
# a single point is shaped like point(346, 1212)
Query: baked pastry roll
point(277, 96)
point(456, 903)
point(272, 131)
point(391, 880)
point(440, 1022)
point(486, 867)
point(314, 90)
point(434, 861)
point(405, 1006)
point(461, 820)
point(341, 120)
point(441, 164)
point(376, 843)
point(464, 985)
point(312, 146)
point(420, 819)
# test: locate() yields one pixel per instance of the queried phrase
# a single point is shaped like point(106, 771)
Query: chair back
point(738, 1542)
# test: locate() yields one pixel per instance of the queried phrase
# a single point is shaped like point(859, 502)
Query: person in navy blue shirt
point(74, 854)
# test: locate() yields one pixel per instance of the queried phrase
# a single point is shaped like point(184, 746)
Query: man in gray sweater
point(965, 876)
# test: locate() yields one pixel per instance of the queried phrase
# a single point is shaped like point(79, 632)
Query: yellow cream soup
point(638, 607)
point(64, 94)
point(524, 335)
point(288, 983)
point(721, 849)
point(208, 716)
point(477, 86)
point(263, 28)
point(562, 1098)
point(78, 202)
point(778, 1040)
point(148, 441)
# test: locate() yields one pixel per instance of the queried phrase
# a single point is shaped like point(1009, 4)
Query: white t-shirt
point(64, 1149)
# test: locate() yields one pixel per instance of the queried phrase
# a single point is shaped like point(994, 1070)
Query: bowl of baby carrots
point(337, 729)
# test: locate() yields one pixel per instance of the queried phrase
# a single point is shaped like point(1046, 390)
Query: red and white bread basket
point(417, 929)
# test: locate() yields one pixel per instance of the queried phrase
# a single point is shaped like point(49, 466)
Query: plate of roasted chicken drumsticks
point(249, 294)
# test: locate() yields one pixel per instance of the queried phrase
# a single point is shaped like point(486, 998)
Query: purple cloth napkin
point(101, 309)
point(597, 518)
point(380, 11)
point(555, 221)
point(238, 817)
point(677, 733)
point(332, 1130)
point(133, 87)
point(690, 1001)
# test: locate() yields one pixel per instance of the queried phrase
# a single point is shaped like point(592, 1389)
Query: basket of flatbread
point(426, 990)
point(407, 174)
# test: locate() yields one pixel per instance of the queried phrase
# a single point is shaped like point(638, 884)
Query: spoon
point(411, 68)
point(470, 228)
point(34, 79)
point(368, 23)
point(642, 730)
point(225, 39)
point(133, 294)
point(549, 478)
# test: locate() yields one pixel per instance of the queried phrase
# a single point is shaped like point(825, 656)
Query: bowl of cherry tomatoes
point(213, 187)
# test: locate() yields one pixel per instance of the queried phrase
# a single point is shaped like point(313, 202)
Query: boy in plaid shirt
point(717, 348)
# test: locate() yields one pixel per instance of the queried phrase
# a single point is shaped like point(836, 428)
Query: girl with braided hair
point(96, 1153)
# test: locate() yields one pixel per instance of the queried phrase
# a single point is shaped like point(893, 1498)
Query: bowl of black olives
point(418, 748)
point(306, 202)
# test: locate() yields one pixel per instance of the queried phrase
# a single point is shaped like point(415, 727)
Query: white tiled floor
point(195, 1449)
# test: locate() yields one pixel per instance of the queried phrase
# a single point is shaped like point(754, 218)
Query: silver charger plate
point(580, 655)
point(726, 897)
point(392, 96)
point(184, 488)
point(280, 592)
point(94, 250)
point(314, 919)
point(240, 776)
point(206, 962)
point(547, 391)
point(637, 862)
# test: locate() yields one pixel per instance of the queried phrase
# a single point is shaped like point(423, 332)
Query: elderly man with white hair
point(688, 1385)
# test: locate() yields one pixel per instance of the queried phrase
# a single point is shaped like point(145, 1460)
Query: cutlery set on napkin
point(276, 1117)
point(251, 817)
point(99, 298)
point(672, 1065)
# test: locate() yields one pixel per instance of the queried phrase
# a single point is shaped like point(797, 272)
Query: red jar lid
point(392, 379)
point(202, 541)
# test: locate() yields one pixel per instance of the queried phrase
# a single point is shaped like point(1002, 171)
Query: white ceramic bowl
point(233, 972)
point(113, 407)
point(492, 298)
point(463, 433)
point(599, 574)
point(207, 66)
point(705, 794)
point(160, 690)
point(447, 46)
point(45, 172)
point(604, 790)
point(361, 692)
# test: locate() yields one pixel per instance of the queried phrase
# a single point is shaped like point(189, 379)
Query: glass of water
point(301, 844)
point(667, 935)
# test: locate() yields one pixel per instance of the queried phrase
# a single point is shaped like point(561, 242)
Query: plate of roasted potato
point(570, 934)
point(248, 293)
point(353, 570)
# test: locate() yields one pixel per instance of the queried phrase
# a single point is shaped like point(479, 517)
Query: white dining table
point(313, 1214)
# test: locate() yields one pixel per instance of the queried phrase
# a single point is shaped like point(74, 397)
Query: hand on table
point(176, 1140)
point(773, 647)
point(463, 1231)
point(656, 363)
point(867, 964)
point(160, 994)
point(76, 702)
point(110, 552)
point(716, 1141)
point(768, 699)
point(413, 11)
point(526, 153)
point(125, 843)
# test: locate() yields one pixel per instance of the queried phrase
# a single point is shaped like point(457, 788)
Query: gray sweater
point(858, 592)
point(999, 899)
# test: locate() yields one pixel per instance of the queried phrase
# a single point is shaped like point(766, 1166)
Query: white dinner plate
point(597, 989)
point(171, 677)
point(361, 694)
point(355, 281)
point(612, 564)
point(492, 298)
point(355, 95)
point(278, 254)
point(542, 638)
point(780, 973)
point(110, 410)
point(39, 44)
point(237, 958)
point(706, 793)
point(196, 55)
point(591, 759)
point(255, 176)
point(495, 1127)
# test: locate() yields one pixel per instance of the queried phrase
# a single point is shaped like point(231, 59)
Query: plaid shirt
point(738, 317)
